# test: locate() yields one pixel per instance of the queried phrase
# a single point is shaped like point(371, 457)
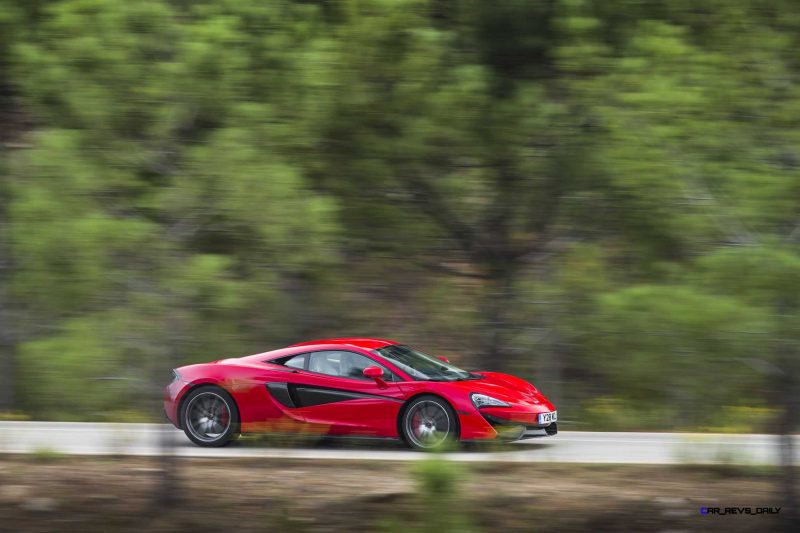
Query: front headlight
point(482, 400)
point(175, 376)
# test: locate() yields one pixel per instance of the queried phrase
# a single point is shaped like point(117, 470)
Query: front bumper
point(481, 425)
point(508, 429)
point(535, 432)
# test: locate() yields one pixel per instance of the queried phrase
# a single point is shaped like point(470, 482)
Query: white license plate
point(546, 418)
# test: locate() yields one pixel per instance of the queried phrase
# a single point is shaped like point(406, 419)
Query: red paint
point(374, 405)
point(373, 372)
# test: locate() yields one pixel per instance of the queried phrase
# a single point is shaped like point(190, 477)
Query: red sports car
point(354, 387)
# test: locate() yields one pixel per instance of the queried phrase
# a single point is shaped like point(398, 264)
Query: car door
point(334, 397)
point(268, 407)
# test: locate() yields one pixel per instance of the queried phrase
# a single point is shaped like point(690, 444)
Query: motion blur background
point(600, 196)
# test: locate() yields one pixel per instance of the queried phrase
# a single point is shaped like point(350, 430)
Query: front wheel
point(429, 423)
point(209, 417)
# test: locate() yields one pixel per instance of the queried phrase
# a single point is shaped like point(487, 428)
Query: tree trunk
point(7, 340)
point(7, 357)
point(167, 493)
point(786, 398)
point(496, 327)
point(790, 412)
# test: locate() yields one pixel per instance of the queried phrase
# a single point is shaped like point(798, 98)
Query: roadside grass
point(47, 455)
point(13, 416)
point(610, 413)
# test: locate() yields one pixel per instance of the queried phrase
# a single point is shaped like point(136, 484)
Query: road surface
point(566, 447)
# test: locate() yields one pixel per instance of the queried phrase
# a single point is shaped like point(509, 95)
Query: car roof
point(359, 342)
point(322, 344)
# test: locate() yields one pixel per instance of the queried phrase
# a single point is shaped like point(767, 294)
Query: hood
point(505, 387)
point(509, 389)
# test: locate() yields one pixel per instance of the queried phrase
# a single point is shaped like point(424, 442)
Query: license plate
point(546, 418)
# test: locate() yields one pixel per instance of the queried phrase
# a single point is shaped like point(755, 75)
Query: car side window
point(342, 364)
point(298, 361)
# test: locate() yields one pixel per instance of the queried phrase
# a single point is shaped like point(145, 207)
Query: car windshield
point(421, 366)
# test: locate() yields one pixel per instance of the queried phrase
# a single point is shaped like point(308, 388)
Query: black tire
point(209, 417)
point(429, 423)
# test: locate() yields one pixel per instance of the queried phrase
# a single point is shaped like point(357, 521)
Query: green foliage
point(623, 414)
point(441, 506)
point(615, 185)
point(674, 331)
point(47, 455)
point(741, 419)
point(162, 189)
point(438, 478)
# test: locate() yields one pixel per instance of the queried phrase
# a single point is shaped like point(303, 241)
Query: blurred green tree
point(598, 191)
point(157, 215)
point(445, 154)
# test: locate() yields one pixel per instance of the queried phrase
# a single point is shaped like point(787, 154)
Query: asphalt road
point(566, 447)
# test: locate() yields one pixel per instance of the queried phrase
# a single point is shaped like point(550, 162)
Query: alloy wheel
point(428, 424)
point(208, 416)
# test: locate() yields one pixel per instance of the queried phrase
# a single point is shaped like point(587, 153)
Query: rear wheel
point(429, 423)
point(209, 416)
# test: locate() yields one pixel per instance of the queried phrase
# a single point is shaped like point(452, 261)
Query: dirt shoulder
point(83, 494)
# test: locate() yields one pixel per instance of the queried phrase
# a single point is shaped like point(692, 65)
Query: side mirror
point(373, 372)
point(443, 358)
